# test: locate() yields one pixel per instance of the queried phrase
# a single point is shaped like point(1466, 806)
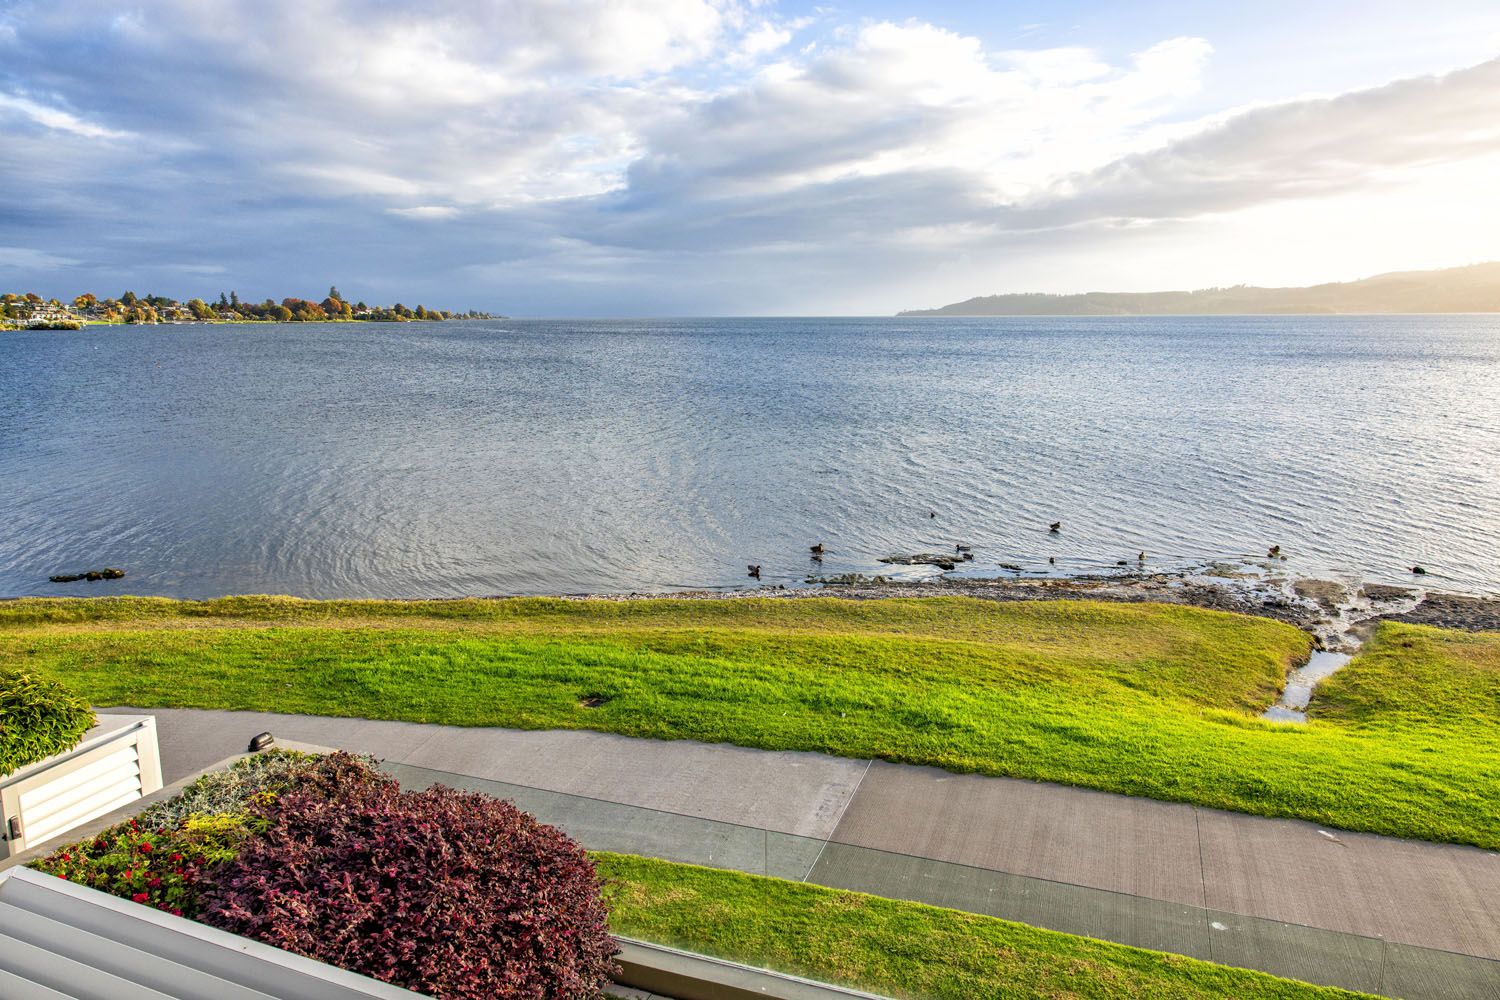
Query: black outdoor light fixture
point(260, 741)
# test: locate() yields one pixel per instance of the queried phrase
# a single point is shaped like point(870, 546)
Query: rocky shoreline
point(1327, 609)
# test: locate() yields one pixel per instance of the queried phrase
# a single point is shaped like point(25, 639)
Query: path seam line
point(837, 820)
point(1203, 884)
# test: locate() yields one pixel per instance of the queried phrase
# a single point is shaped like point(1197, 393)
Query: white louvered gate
point(116, 763)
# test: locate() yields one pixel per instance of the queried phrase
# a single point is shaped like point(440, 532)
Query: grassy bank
point(1150, 700)
point(898, 948)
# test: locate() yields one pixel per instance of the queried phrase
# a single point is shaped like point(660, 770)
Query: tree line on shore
point(30, 309)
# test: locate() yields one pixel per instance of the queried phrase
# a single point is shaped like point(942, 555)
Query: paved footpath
point(1434, 895)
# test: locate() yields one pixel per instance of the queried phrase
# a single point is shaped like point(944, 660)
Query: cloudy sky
point(670, 157)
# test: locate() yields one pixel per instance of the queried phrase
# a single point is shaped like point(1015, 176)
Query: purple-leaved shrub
point(453, 894)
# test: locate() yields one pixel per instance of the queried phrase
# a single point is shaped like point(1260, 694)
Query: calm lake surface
point(356, 460)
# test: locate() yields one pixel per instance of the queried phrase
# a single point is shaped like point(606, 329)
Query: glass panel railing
point(1315, 955)
point(1411, 971)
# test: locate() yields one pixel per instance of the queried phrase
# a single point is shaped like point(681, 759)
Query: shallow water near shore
point(595, 456)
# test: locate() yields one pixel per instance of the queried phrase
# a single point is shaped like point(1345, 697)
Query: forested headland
point(30, 310)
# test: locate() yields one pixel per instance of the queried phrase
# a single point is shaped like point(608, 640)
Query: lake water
point(552, 456)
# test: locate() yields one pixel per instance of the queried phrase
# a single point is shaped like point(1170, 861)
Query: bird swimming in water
point(1056, 527)
point(932, 514)
point(754, 569)
point(1141, 557)
point(817, 550)
point(1419, 571)
point(963, 548)
point(1052, 560)
point(1274, 551)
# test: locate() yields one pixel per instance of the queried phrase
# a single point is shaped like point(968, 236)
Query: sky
point(739, 157)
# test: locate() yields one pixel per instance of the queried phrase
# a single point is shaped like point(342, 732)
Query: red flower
point(140, 897)
point(153, 883)
point(145, 848)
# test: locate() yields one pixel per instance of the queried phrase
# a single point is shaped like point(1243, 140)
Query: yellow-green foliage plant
point(39, 717)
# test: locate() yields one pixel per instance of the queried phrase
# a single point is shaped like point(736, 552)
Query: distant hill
point(1455, 290)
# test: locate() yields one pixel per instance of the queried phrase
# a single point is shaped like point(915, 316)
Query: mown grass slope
point(897, 948)
point(1152, 700)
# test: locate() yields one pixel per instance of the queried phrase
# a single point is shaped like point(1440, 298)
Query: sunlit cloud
point(425, 212)
point(54, 118)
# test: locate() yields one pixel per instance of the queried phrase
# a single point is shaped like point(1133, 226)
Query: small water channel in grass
point(1292, 705)
point(1350, 616)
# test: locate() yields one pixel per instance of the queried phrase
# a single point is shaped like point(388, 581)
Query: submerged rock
point(1327, 594)
point(944, 562)
point(92, 576)
point(1385, 592)
point(1459, 611)
point(848, 580)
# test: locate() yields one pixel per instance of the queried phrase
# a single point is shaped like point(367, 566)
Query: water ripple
point(536, 457)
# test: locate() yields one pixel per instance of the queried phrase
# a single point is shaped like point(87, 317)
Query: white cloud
point(56, 118)
point(425, 212)
point(902, 98)
point(765, 39)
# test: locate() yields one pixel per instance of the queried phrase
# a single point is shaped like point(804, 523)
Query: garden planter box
point(116, 763)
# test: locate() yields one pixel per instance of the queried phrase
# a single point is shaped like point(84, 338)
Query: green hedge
point(38, 718)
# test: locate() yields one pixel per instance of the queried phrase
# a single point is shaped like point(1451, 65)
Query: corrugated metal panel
point(60, 940)
point(70, 978)
point(141, 967)
point(13, 987)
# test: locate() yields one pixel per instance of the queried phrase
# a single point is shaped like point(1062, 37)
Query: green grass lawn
point(898, 948)
point(1152, 700)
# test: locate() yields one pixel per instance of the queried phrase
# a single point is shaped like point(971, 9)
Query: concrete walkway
point(1432, 895)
